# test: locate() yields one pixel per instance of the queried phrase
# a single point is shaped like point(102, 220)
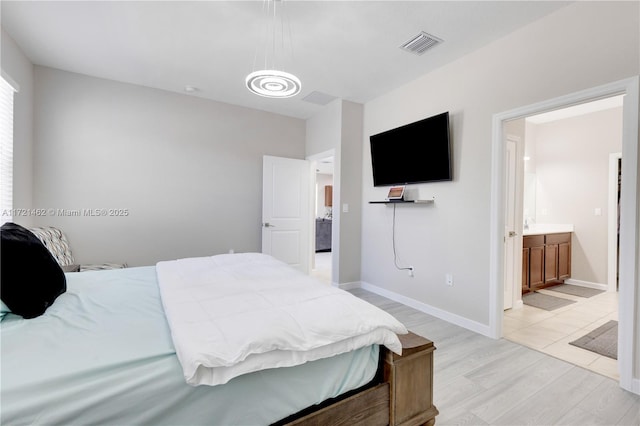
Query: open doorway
point(323, 220)
point(629, 226)
point(564, 219)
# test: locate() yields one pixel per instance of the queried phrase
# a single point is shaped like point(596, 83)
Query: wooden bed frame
point(401, 396)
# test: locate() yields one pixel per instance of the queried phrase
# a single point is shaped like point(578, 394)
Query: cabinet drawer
point(558, 238)
point(532, 241)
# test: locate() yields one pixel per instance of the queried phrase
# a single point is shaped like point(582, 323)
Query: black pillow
point(30, 277)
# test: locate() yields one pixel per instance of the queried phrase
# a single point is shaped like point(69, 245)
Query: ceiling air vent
point(421, 43)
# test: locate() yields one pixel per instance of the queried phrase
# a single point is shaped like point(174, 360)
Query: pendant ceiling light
point(272, 82)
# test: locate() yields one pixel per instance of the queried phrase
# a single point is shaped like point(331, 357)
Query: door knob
point(512, 234)
point(268, 225)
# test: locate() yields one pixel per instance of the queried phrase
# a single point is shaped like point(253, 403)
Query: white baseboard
point(588, 284)
point(634, 386)
point(347, 286)
point(430, 310)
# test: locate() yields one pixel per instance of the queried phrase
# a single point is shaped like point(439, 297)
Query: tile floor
point(551, 331)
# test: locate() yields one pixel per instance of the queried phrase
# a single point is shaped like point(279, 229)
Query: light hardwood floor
point(482, 381)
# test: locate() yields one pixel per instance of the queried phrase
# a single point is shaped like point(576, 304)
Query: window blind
point(6, 151)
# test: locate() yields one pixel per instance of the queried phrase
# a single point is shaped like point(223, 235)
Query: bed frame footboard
point(404, 398)
point(410, 378)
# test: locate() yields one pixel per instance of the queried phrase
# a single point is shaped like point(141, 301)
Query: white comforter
point(237, 313)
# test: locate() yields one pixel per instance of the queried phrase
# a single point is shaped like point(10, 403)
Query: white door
point(510, 223)
point(286, 211)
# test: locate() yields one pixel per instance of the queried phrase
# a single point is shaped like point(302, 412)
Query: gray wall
point(18, 67)
point(552, 57)
point(350, 192)
point(323, 129)
point(339, 127)
point(323, 133)
point(188, 170)
point(572, 174)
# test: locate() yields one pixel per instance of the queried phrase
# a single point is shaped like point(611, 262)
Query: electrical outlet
point(231, 251)
point(410, 271)
point(449, 278)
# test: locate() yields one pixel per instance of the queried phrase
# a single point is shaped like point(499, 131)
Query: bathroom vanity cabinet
point(546, 260)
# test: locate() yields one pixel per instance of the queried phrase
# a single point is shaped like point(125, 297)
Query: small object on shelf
point(396, 193)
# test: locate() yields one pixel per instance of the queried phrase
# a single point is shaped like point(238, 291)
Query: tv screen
point(415, 153)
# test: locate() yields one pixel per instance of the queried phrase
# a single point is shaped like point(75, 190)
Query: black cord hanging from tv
point(393, 243)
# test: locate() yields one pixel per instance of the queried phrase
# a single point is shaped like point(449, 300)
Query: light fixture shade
point(273, 84)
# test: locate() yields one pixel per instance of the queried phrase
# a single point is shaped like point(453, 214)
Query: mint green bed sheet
point(102, 354)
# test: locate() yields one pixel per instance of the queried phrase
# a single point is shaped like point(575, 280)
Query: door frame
point(629, 216)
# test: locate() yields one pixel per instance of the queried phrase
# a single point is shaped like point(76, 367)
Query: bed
point(104, 353)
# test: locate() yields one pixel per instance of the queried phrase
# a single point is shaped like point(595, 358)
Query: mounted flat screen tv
point(414, 153)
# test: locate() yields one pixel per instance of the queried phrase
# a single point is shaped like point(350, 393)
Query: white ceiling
point(340, 48)
point(325, 166)
point(577, 110)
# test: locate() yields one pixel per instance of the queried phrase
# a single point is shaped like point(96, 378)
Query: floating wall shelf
point(403, 202)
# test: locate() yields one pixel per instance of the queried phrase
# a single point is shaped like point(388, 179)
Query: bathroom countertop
point(548, 228)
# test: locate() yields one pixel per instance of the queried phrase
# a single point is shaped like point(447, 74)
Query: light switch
point(345, 208)
point(597, 211)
